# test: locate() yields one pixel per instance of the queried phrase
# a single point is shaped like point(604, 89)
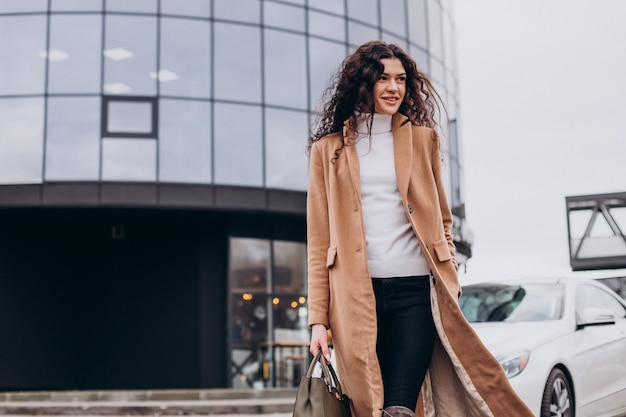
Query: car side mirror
point(594, 316)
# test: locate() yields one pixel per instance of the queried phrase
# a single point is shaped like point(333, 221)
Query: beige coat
point(464, 379)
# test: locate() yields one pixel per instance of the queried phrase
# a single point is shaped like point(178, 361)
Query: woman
point(380, 251)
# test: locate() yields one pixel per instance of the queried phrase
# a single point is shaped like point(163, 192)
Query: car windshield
point(512, 303)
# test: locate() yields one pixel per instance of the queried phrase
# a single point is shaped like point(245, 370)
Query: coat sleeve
point(446, 214)
point(318, 240)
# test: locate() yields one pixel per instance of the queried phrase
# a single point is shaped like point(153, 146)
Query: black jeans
point(406, 336)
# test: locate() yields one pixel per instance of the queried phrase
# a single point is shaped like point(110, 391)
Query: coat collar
point(402, 150)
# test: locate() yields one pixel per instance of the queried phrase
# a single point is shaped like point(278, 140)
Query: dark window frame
point(154, 104)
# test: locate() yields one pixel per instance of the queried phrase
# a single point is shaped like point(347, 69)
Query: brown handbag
point(321, 397)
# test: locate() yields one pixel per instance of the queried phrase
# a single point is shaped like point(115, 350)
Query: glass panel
point(75, 42)
point(283, 16)
point(129, 117)
point(364, 10)
point(300, 2)
point(434, 29)
point(393, 16)
point(436, 72)
point(421, 58)
point(21, 140)
point(238, 145)
point(324, 60)
point(195, 8)
point(22, 56)
point(249, 271)
point(332, 6)
point(417, 22)
point(185, 141)
point(140, 6)
point(332, 27)
point(448, 46)
point(73, 138)
point(130, 55)
point(290, 313)
point(394, 39)
point(240, 11)
point(238, 62)
point(128, 159)
point(359, 34)
point(285, 74)
point(185, 58)
point(76, 5)
point(17, 6)
point(285, 145)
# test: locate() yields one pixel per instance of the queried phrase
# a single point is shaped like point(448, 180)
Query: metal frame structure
point(589, 252)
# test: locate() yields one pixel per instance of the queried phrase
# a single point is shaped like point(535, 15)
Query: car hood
point(504, 337)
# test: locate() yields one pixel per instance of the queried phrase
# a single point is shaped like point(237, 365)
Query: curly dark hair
point(350, 91)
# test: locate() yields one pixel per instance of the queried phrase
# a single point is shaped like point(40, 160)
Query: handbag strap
point(328, 373)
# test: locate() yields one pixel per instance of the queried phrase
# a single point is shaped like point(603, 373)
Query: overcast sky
point(543, 116)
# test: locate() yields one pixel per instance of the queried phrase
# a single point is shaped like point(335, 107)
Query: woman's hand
point(319, 339)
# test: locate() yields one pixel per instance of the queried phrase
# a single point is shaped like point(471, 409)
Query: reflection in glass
point(21, 140)
point(139, 6)
point(285, 74)
point(437, 73)
point(185, 141)
point(332, 6)
point(394, 39)
point(322, 24)
point(79, 72)
point(434, 29)
point(76, 5)
point(129, 117)
point(238, 51)
point(285, 144)
point(249, 282)
point(283, 16)
point(130, 55)
point(393, 16)
point(359, 34)
point(22, 54)
point(73, 138)
point(324, 61)
point(186, 55)
point(364, 10)
point(417, 22)
point(13, 6)
point(238, 145)
point(246, 10)
point(194, 8)
point(421, 58)
point(128, 159)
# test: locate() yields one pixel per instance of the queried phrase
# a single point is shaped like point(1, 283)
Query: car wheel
point(558, 400)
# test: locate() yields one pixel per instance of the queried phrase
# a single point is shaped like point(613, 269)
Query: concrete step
point(275, 402)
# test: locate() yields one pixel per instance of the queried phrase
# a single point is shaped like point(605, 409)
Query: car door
point(599, 354)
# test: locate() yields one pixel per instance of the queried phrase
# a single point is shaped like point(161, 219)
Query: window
point(129, 117)
point(268, 315)
point(127, 159)
point(130, 55)
point(238, 52)
point(393, 16)
point(21, 140)
point(364, 10)
point(185, 141)
point(285, 74)
point(417, 22)
point(324, 61)
point(185, 61)
point(283, 16)
point(23, 54)
point(73, 138)
point(285, 145)
point(238, 145)
point(322, 24)
point(75, 60)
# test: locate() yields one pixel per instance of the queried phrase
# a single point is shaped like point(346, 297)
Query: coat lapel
point(353, 160)
point(403, 152)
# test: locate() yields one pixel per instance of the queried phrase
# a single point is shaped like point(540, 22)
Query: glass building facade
point(153, 179)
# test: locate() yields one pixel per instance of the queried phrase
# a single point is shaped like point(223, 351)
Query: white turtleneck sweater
point(392, 247)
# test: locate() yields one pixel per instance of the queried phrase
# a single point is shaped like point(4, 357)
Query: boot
point(398, 411)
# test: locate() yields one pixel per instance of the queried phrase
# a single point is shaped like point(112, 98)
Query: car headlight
point(514, 363)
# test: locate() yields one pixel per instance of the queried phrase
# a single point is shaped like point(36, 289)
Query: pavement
point(276, 402)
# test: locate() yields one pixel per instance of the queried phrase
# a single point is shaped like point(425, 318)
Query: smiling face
point(390, 88)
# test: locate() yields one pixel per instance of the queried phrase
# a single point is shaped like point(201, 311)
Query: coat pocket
point(331, 256)
point(442, 250)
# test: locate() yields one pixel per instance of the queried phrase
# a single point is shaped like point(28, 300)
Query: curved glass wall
point(198, 91)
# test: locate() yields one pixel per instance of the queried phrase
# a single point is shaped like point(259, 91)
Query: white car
point(562, 342)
